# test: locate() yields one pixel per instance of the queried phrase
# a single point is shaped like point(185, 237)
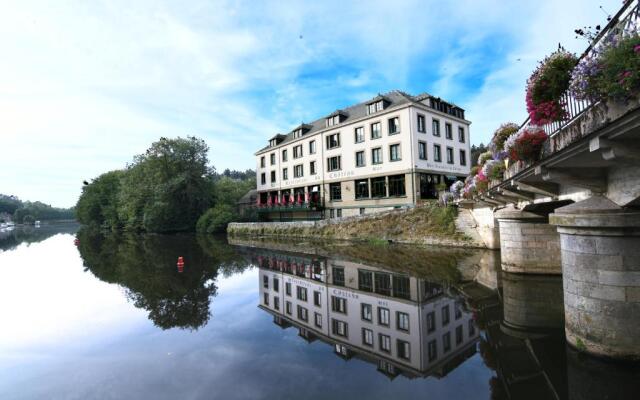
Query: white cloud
point(85, 86)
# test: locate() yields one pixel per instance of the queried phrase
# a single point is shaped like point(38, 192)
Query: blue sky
point(86, 85)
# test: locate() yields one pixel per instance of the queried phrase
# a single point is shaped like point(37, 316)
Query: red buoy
point(180, 264)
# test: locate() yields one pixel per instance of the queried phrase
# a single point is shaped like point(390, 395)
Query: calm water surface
point(112, 317)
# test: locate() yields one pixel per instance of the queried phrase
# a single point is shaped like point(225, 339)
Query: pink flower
point(637, 48)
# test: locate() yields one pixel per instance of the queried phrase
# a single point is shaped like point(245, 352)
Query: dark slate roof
point(357, 111)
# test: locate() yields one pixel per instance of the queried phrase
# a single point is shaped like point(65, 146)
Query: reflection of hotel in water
point(403, 324)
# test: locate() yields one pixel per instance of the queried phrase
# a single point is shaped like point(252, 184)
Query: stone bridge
point(576, 212)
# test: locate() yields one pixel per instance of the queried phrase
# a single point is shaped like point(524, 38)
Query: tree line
point(169, 188)
point(11, 207)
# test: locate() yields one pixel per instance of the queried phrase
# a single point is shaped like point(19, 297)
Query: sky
point(84, 86)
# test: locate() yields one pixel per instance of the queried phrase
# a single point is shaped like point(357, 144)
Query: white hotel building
point(388, 152)
point(402, 324)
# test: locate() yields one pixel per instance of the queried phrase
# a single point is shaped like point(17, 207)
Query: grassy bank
point(429, 223)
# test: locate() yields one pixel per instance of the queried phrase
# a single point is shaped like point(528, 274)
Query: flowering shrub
point(527, 144)
point(611, 70)
point(499, 137)
point(510, 143)
point(456, 189)
point(493, 169)
point(481, 182)
point(546, 85)
point(474, 170)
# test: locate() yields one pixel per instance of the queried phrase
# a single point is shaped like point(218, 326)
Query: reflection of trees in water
point(10, 239)
point(145, 265)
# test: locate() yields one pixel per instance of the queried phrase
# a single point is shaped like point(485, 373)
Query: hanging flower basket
point(546, 85)
point(499, 137)
point(526, 145)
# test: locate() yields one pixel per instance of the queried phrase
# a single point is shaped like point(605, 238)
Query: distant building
point(402, 324)
point(390, 151)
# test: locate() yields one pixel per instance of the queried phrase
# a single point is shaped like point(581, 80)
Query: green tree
point(98, 203)
point(216, 219)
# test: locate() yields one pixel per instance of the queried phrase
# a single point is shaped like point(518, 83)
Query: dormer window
point(336, 118)
point(273, 142)
point(331, 121)
point(375, 107)
point(297, 133)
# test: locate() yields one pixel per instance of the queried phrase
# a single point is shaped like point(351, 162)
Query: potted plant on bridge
point(526, 144)
point(546, 86)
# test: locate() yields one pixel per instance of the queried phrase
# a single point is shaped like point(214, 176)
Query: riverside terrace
point(575, 212)
point(390, 151)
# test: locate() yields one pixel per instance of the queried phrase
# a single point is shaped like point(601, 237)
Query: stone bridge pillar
point(528, 244)
point(600, 244)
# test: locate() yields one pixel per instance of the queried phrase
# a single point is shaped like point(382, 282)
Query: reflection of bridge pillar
point(590, 378)
point(600, 244)
point(528, 244)
point(532, 304)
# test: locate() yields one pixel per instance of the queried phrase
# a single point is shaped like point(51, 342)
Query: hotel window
point(463, 157)
point(384, 317)
point(436, 127)
point(404, 350)
point(432, 350)
point(285, 174)
point(421, 124)
point(338, 276)
point(472, 328)
point(298, 171)
point(303, 314)
point(263, 178)
point(445, 315)
point(312, 147)
point(276, 284)
point(339, 213)
point(396, 185)
point(276, 303)
point(287, 307)
point(446, 342)
point(401, 287)
point(436, 153)
point(335, 191)
point(333, 141)
point(297, 151)
point(284, 155)
point(362, 211)
point(273, 176)
point(365, 281)
point(431, 321)
point(339, 328)
point(366, 312)
point(301, 293)
point(461, 138)
point(450, 155)
point(376, 156)
point(359, 132)
point(378, 187)
point(312, 168)
point(333, 163)
point(318, 319)
point(422, 150)
point(362, 189)
point(265, 282)
point(339, 304)
point(394, 125)
point(317, 298)
point(382, 283)
point(402, 321)
point(448, 131)
point(262, 162)
point(334, 120)
point(266, 299)
point(272, 156)
point(360, 159)
point(367, 337)
point(394, 152)
point(287, 288)
point(376, 132)
point(332, 213)
point(458, 334)
point(385, 343)
point(457, 311)
point(375, 107)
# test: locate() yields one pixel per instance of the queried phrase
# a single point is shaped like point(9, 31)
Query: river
point(87, 315)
